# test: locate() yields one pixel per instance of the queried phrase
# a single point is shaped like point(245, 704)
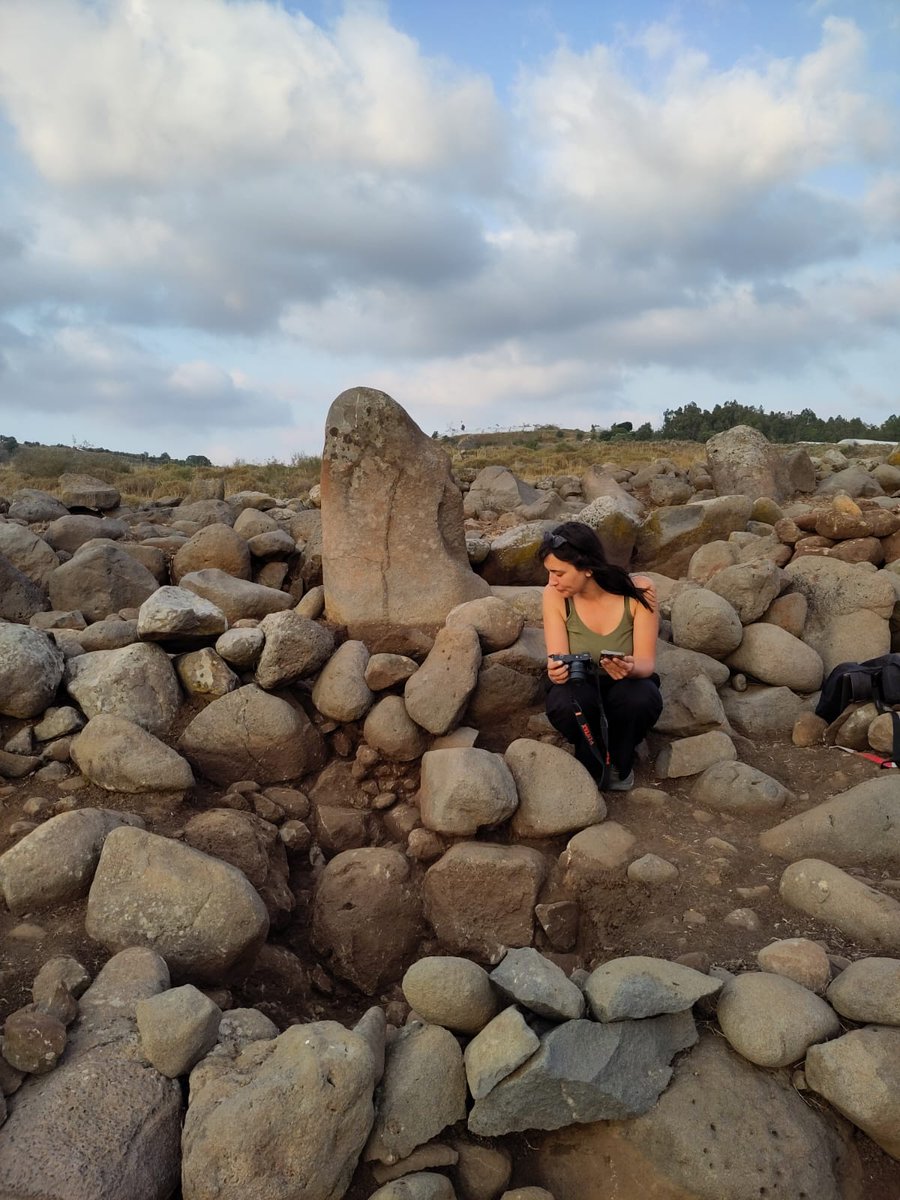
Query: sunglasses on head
point(557, 540)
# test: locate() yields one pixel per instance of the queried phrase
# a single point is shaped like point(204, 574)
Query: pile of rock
point(220, 650)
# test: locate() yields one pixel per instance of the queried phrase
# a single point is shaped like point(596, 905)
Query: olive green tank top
point(584, 641)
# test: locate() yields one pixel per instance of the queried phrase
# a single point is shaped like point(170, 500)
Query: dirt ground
point(290, 983)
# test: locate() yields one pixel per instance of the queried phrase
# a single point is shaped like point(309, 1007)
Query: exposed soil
point(291, 984)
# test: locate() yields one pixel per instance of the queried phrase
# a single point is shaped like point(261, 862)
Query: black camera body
point(579, 665)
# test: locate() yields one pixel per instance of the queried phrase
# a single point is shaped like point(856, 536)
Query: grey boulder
point(198, 913)
point(31, 667)
point(120, 756)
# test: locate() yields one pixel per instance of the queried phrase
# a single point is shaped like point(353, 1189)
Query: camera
point(579, 665)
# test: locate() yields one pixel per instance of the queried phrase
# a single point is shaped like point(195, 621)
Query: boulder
point(513, 559)
point(421, 1185)
point(501, 1046)
point(84, 491)
point(295, 648)
point(174, 614)
point(385, 670)
point(101, 1126)
point(54, 864)
point(858, 828)
point(586, 1071)
point(214, 546)
point(597, 855)
point(31, 667)
point(668, 537)
point(436, 696)
point(391, 731)
point(496, 489)
point(32, 505)
point(774, 656)
point(367, 916)
point(691, 755)
point(749, 587)
point(709, 1137)
point(119, 756)
point(451, 991)
point(496, 622)
point(763, 711)
point(772, 1020)
point(137, 683)
point(71, 532)
point(253, 846)
point(204, 675)
point(249, 734)
point(393, 544)
point(556, 793)
point(739, 790)
point(848, 608)
point(20, 597)
point(100, 579)
point(705, 622)
point(480, 899)
point(638, 986)
point(859, 1074)
point(201, 915)
point(832, 896)
point(616, 523)
point(422, 1092)
point(177, 1028)
point(500, 692)
point(237, 598)
point(868, 991)
point(536, 983)
point(308, 1092)
point(241, 648)
point(463, 789)
point(341, 692)
point(799, 959)
point(691, 702)
point(28, 553)
point(742, 462)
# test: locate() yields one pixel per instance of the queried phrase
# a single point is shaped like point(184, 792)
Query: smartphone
point(611, 654)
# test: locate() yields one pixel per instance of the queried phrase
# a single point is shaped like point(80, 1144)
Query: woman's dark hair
point(578, 544)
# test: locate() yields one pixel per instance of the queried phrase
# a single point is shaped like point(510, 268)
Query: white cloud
point(202, 88)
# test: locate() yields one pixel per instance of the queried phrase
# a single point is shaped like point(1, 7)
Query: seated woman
point(592, 606)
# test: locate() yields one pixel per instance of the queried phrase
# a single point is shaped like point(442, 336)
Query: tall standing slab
point(393, 544)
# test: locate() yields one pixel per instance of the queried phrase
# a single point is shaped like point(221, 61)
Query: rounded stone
point(771, 1020)
point(799, 959)
point(451, 991)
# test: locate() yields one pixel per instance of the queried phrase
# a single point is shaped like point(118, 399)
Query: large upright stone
point(393, 545)
point(743, 463)
point(436, 696)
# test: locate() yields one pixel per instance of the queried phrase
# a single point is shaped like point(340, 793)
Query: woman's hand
point(558, 672)
point(618, 668)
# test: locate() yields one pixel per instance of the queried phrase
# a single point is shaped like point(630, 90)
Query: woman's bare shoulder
point(553, 601)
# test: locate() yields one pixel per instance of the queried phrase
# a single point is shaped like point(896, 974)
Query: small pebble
point(652, 870)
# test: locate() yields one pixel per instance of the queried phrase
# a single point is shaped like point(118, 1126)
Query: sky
point(216, 215)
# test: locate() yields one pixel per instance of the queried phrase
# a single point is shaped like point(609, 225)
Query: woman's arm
point(556, 636)
point(646, 631)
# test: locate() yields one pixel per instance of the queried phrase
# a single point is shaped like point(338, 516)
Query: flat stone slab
point(585, 1071)
point(538, 984)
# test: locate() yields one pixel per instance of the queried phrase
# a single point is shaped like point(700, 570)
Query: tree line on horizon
point(690, 423)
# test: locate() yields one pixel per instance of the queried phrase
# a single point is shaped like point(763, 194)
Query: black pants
point(632, 708)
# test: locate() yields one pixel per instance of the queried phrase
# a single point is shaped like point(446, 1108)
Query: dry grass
point(41, 466)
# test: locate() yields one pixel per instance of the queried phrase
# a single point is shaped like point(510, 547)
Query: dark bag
point(877, 680)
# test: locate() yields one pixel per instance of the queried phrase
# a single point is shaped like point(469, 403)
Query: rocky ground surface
point(332, 865)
